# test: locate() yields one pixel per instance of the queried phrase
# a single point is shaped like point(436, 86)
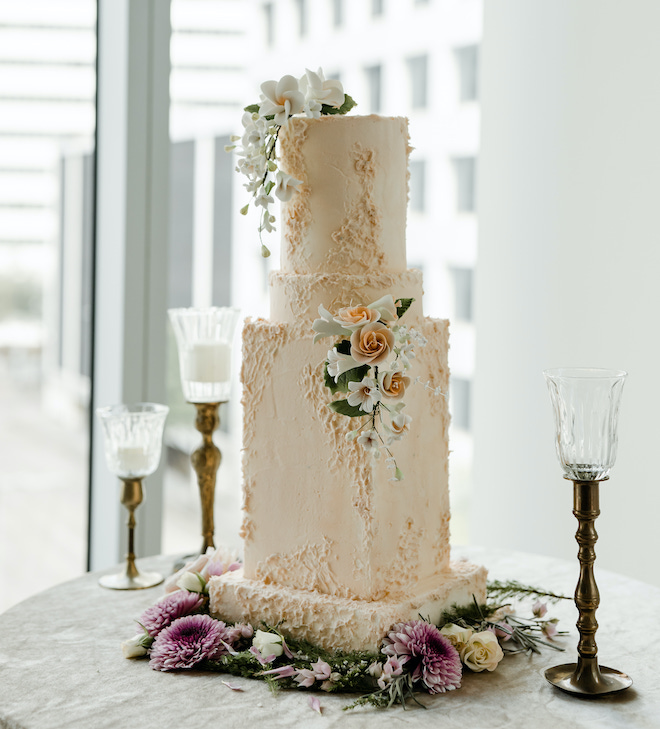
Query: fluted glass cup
point(133, 437)
point(203, 338)
point(586, 406)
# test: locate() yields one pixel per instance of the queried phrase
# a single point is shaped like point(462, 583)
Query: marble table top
point(61, 666)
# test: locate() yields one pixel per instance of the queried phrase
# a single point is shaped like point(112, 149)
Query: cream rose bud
point(393, 384)
point(372, 343)
point(482, 652)
point(457, 635)
point(133, 647)
point(354, 317)
point(268, 644)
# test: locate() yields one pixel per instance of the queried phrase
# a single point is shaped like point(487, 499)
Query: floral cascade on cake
point(370, 367)
point(415, 657)
point(311, 96)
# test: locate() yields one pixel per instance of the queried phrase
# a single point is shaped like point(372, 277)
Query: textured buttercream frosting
point(349, 214)
point(335, 550)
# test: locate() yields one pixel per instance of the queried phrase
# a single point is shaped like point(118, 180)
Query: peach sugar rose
point(352, 317)
point(393, 385)
point(371, 344)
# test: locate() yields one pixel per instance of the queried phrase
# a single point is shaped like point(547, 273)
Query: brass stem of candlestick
point(586, 677)
point(130, 578)
point(206, 461)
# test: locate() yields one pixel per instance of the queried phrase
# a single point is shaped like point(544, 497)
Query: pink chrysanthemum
point(427, 655)
point(188, 641)
point(173, 606)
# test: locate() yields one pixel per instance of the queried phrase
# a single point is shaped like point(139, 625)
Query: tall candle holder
point(203, 338)
point(133, 436)
point(586, 408)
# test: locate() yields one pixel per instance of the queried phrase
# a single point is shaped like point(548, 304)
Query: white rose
point(268, 644)
point(191, 581)
point(457, 635)
point(482, 652)
point(133, 647)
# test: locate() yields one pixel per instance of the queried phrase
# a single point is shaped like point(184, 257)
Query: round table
point(61, 666)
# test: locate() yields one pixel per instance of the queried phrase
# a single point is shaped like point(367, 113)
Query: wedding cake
point(336, 550)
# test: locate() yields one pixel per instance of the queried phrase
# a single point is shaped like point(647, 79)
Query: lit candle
point(132, 460)
point(207, 362)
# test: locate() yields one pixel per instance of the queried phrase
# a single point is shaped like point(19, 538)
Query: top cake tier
point(349, 215)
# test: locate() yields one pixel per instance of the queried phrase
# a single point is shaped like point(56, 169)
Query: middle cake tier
point(320, 513)
point(296, 297)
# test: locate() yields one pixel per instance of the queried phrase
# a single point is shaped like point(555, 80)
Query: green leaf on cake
point(252, 109)
point(329, 381)
point(343, 347)
point(403, 306)
point(357, 374)
point(343, 408)
point(348, 104)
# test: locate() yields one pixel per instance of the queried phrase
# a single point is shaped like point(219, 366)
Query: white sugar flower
point(263, 200)
point(386, 307)
point(285, 185)
point(326, 326)
point(281, 99)
point(315, 87)
point(339, 363)
point(369, 440)
point(364, 394)
point(398, 426)
point(313, 108)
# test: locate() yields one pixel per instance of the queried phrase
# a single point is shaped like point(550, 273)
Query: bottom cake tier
point(336, 622)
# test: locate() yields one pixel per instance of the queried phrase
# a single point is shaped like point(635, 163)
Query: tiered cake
point(335, 551)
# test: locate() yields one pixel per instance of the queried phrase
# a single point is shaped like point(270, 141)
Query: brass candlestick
point(131, 578)
point(586, 677)
point(206, 461)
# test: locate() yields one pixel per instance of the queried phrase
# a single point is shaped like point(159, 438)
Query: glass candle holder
point(586, 408)
point(133, 436)
point(203, 338)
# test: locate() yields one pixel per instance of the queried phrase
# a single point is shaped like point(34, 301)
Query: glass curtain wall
point(404, 59)
point(47, 121)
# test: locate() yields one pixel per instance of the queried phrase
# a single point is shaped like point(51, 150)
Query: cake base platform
point(337, 622)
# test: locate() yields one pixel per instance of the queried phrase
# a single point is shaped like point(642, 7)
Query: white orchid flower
point(281, 99)
point(315, 86)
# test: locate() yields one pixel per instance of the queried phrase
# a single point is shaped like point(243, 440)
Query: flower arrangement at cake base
point(415, 657)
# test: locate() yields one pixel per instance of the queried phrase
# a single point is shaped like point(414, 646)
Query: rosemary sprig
point(503, 590)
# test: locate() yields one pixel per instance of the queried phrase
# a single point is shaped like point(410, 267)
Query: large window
point(47, 97)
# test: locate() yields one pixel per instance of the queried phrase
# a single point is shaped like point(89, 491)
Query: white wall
point(568, 265)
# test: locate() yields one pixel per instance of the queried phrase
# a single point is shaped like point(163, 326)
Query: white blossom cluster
point(311, 95)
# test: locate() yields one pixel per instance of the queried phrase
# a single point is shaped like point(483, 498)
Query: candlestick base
point(122, 581)
point(607, 680)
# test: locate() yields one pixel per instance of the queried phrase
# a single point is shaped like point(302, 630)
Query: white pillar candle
point(132, 459)
point(207, 362)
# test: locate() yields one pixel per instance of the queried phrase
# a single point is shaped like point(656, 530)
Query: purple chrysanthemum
point(427, 655)
point(188, 641)
point(173, 606)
